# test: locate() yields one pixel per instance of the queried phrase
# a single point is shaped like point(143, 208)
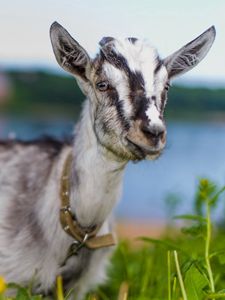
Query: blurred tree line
point(43, 94)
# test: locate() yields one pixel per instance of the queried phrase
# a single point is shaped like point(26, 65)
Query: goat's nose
point(153, 132)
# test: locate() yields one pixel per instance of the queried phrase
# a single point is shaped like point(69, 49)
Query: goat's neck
point(96, 176)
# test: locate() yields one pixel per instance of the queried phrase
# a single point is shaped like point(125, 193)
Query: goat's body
point(126, 85)
point(32, 241)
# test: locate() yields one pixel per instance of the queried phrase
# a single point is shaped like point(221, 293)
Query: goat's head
point(127, 85)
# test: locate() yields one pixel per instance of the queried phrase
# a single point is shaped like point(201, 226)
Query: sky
point(167, 24)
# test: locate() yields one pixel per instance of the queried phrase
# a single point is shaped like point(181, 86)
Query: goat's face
point(127, 85)
point(130, 84)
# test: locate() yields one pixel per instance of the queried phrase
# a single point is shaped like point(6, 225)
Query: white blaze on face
point(141, 57)
point(153, 115)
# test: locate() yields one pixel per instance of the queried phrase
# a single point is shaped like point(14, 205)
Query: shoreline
point(131, 230)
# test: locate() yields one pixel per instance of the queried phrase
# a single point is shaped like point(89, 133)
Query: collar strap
point(83, 237)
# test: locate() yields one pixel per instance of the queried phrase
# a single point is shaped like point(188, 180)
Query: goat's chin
point(153, 156)
point(137, 158)
point(140, 152)
point(130, 152)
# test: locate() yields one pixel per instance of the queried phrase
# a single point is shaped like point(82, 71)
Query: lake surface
point(193, 150)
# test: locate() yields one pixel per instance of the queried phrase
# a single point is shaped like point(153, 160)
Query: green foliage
point(195, 103)
point(195, 282)
point(23, 293)
point(179, 266)
point(193, 273)
point(43, 94)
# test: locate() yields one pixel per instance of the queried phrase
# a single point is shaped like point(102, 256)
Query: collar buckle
point(76, 245)
point(74, 248)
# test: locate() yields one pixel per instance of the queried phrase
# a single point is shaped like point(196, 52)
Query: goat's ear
point(191, 54)
point(69, 54)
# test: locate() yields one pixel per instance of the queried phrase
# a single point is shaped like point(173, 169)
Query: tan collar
point(83, 237)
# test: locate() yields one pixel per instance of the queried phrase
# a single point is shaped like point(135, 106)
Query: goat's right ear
point(68, 52)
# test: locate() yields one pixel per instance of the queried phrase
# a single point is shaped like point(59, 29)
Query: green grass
point(188, 264)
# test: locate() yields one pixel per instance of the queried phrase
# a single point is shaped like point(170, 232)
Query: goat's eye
point(102, 86)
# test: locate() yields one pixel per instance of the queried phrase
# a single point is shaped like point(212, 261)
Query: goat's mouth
point(140, 152)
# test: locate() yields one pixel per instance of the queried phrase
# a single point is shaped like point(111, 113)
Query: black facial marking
point(136, 81)
point(105, 40)
point(140, 105)
point(137, 95)
point(132, 40)
point(163, 100)
point(158, 65)
point(98, 63)
point(136, 84)
point(117, 60)
point(120, 112)
point(120, 62)
point(113, 95)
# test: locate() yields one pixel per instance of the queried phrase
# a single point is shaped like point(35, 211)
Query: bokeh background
point(38, 98)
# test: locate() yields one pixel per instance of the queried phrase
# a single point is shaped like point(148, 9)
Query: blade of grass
point(181, 282)
point(174, 287)
point(59, 288)
point(169, 274)
point(145, 279)
point(123, 292)
point(69, 294)
point(207, 247)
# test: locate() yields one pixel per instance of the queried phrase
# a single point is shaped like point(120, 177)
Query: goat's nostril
point(153, 132)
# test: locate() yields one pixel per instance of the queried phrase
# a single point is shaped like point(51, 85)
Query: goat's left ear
point(68, 52)
point(190, 55)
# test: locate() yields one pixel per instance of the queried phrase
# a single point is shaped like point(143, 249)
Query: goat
point(126, 86)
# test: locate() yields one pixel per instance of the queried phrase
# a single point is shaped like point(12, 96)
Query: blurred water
point(193, 150)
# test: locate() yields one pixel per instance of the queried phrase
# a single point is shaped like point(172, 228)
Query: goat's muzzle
point(146, 141)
